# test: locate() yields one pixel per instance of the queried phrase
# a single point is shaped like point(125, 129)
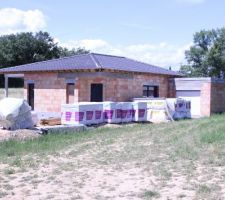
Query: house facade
point(90, 77)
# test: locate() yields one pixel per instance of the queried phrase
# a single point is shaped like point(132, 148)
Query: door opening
point(30, 94)
point(70, 93)
point(97, 92)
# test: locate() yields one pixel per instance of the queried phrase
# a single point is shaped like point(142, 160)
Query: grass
point(181, 159)
point(149, 194)
point(9, 171)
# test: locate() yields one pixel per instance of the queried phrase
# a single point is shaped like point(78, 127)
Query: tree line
point(24, 48)
point(206, 57)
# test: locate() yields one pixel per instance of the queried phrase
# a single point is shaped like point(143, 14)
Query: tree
point(207, 56)
point(28, 47)
point(23, 48)
point(66, 52)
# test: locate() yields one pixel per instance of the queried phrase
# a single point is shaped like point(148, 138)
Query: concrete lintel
point(29, 81)
point(151, 83)
point(200, 79)
point(194, 79)
point(94, 74)
point(14, 75)
point(70, 81)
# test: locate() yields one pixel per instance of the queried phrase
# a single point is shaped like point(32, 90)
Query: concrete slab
point(62, 129)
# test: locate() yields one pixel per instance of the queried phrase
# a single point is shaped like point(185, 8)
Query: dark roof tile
point(90, 61)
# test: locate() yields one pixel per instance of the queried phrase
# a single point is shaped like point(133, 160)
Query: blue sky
point(156, 32)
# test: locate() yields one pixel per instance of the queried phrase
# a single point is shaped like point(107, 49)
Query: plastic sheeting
point(111, 112)
point(82, 113)
point(140, 111)
point(127, 112)
point(15, 114)
point(153, 110)
point(179, 108)
point(163, 110)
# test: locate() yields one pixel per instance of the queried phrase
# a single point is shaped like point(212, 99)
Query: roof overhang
point(16, 74)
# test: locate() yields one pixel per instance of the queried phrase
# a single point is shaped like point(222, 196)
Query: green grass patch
point(185, 139)
point(149, 194)
point(189, 151)
point(217, 136)
point(9, 171)
point(45, 144)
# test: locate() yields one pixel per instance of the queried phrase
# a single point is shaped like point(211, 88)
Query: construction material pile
point(50, 122)
point(161, 109)
point(154, 110)
point(15, 114)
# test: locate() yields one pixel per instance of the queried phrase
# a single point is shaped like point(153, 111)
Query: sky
point(152, 31)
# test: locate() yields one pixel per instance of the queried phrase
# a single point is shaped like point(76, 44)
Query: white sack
point(15, 114)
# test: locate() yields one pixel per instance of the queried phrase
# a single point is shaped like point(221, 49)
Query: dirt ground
point(23, 134)
point(133, 162)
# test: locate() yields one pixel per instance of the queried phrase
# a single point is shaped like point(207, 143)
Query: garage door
point(194, 97)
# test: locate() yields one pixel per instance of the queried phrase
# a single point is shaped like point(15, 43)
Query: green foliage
point(23, 48)
point(66, 52)
point(216, 137)
point(189, 71)
point(207, 56)
point(9, 171)
point(149, 194)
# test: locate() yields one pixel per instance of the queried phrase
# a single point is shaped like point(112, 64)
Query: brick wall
point(121, 89)
point(205, 99)
point(217, 97)
point(171, 88)
point(212, 98)
point(50, 90)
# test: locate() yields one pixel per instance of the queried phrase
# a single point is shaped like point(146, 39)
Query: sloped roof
point(88, 62)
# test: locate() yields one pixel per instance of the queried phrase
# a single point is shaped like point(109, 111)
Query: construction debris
point(140, 110)
point(50, 122)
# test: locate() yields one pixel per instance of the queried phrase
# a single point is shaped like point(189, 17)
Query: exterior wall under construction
point(51, 89)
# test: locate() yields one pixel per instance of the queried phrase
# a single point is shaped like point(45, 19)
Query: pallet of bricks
point(106, 112)
point(89, 113)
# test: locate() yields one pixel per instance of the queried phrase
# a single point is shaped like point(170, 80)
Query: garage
point(194, 97)
point(207, 95)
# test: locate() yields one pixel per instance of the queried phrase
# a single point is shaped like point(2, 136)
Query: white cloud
point(162, 54)
point(87, 43)
point(191, 1)
point(13, 20)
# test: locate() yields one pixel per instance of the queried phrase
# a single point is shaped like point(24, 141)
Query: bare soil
point(180, 160)
point(22, 134)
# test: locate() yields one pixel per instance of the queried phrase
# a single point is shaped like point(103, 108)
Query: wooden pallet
point(50, 122)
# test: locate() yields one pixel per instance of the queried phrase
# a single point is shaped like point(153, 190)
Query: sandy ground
point(83, 173)
point(18, 134)
point(64, 177)
point(129, 165)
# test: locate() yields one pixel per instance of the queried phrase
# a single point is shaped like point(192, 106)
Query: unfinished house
point(89, 77)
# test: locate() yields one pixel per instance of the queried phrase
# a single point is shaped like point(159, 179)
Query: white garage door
point(194, 97)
